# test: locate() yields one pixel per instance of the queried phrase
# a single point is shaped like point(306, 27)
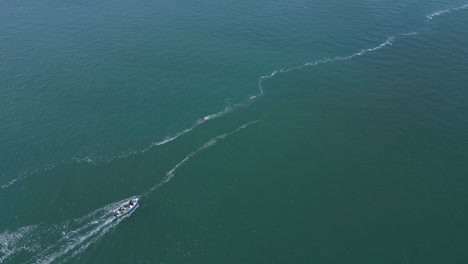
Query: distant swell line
point(446, 11)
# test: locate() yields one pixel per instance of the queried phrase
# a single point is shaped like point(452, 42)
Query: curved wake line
point(389, 41)
point(76, 241)
point(54, 243)
point(97, 161)
point(74, 244)
point(24, 175)
point(208, 144)
point(10, 183)
point(75, 236)
point(170, 174)
point(89, 229)
point(197, 123)
point(83, 241)
point(125, 154)
point(446, 11)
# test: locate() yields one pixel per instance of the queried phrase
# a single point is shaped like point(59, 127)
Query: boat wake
point(12, 243)
point(94, 160)
point(69, 238)
point(446, 11)
point(197, 123)
point(73, 237)
point(64, 241)
point(389, 41)
point(170, 174)
point(25, 174)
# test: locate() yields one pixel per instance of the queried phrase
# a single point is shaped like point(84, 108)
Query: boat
point(126, 208)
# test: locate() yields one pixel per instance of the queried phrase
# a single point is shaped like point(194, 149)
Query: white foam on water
point(68, 238)
point(13, 181)
point(388, 42)
point(446, 11)
point(197, 123)
point(90, 229)
point(12, 243)
point(77, 235)
point(409, 34)
point(25, 174)
point(80, 240)
point(171, 173)
point(97, 160)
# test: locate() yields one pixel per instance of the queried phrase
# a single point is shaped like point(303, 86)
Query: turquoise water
point(252, 131)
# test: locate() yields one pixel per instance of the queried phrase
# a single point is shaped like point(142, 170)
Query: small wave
point(446, 11)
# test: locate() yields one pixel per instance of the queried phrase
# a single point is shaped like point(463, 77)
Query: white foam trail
point(446, 11)
point(12, 243)
point(96, 225)
point(409, 34)
point(92, 227)
point(96, 160)
point(71, 245)
point(170, 174)
point(23, 175)
point(194, 125)
point(125, 154)
point(388, 42)
point(212, 142)
point(83, 241)
point(79, 248)
point(10, 183)
point(69, 237)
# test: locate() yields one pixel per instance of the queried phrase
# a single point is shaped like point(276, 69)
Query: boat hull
point(126, 208)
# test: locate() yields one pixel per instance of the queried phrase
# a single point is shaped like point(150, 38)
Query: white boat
point(126, 208)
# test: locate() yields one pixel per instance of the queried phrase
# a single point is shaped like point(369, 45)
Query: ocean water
point(252, 131)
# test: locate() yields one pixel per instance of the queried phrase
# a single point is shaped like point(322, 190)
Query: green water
point(252, 131)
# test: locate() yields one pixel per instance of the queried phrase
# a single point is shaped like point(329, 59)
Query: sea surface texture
point(252, 131)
